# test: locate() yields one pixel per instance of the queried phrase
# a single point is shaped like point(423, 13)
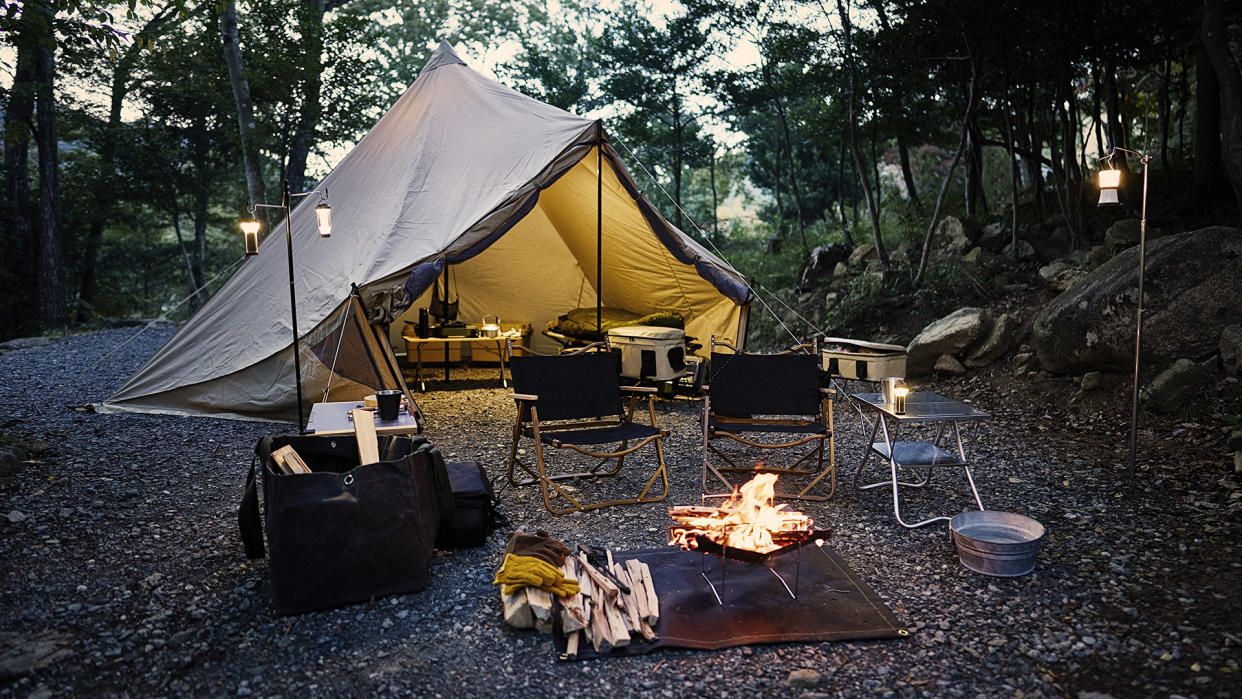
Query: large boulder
point(1177, 385)
point(821, 263)
point(953, 237)
point(1121, 235)
point(1231, 348)
point(949, 335)
point(1190, 295)
point(862, 254)
point(994, 343)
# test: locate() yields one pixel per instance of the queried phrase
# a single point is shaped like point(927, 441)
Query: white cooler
point(856, 359)
point(650, 352)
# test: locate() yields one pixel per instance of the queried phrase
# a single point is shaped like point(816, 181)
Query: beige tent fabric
point(451, 166)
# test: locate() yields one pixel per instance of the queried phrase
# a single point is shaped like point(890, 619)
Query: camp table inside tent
point(530, 205)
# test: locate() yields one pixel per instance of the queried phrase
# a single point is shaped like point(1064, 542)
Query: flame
point(746, 520)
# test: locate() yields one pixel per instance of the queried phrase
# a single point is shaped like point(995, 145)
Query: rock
point(1060, 275)
point(840, 270)
point(21, 656)
point(1052, 246)
point(1090, 381)
point(21, 343)
point(1192, 290)
point(948, 364)
point(949, 335)
point(1237, 462)
point(1097, 256)
point(1025, 250)
point(821, 263)
point(994, 343)
point(993, 237)
point(11, 459)
point(1231, 348)
point(973, 257)
point(1174, 387)
point(863, 253)
point(1121, 235)
point(952, 237)
point(803, 678)
point(831, 299)
point(902, 253)
point(16, 516)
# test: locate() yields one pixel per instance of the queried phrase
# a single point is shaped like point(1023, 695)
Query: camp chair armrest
point(523, 396)
point(639, 389)
point(827, 391)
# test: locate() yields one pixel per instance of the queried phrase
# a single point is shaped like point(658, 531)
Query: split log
point(573, 617)
point(638, 591)
point(602, 583)
point(517, 610)
point(653, 602)
point(288, 461)
point(364, 431)
point(571, 644)
point(541, 607)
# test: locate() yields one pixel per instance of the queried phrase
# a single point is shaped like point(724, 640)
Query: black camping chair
point(573, 401)
point(768, 402)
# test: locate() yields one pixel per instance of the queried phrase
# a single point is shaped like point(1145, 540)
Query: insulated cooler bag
point(649, 352)
point(474, 514)
point(346, 532)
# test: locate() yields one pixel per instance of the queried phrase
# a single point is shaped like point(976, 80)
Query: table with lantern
point(414, 346)
point(920, 407)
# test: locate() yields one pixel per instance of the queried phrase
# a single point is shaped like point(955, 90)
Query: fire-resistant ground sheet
point(833, 603)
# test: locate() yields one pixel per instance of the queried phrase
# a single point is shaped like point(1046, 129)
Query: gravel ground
point(122, 572)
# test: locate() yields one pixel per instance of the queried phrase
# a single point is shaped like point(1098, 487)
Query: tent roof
point(445, 171)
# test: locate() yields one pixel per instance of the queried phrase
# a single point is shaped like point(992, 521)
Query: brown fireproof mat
point(833, 603)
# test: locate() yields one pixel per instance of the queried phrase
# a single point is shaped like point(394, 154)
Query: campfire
point(746, 521)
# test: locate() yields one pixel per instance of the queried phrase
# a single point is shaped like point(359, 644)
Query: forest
point(135, 135)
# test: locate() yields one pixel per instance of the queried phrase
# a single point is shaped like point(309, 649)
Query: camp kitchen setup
point(538, 253)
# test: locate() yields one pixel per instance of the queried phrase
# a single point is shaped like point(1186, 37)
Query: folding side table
point(331, 418)
point(922, 407)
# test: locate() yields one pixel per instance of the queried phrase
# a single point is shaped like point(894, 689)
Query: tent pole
point(286, 204)
point(599, 231)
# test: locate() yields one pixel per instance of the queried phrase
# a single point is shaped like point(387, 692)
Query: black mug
point(389, 404)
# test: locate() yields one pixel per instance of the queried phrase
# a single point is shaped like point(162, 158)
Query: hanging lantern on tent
point(250, 229)
point(323, 216)
point(1109, 181)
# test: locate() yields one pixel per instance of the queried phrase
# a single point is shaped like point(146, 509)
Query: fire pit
point(747, 528)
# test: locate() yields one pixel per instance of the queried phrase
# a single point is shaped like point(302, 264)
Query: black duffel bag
point(345, 532)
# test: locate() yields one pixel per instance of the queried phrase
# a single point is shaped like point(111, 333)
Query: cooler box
point(856, 359)
point(650, 352)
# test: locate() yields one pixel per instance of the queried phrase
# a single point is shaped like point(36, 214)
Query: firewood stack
point(600, 614)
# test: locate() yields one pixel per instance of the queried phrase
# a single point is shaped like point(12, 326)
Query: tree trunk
point(1033, 166)
point(715, 204)
point(310, 25)
point(1208, 175)
point(972, 171)
point(101, 208)
point(907, 174)
point(677, 154)
point(241, 97)
point(845, 224)
point(18, 266)
point(53, 311)
point(1164, 107)
point(201, 201)
point(1014, 176)
point(1216, 42)
point(789, 161)
point(852, 124)
point(1116, 132)
point(948, 176)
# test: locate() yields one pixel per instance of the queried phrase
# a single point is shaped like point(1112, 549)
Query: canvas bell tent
point(529, 205)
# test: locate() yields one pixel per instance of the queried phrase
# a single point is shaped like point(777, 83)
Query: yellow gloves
point(516, 571)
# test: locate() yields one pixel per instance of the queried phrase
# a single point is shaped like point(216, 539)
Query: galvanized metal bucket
point(997, 543)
